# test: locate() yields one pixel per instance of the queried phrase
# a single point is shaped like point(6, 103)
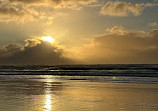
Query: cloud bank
point(35, 52)
point(120, 46)
point(116, 46)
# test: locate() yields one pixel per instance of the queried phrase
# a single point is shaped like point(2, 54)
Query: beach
point(77, 93)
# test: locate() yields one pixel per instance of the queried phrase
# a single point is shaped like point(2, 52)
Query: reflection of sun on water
point(48, 102)
point(48, 39)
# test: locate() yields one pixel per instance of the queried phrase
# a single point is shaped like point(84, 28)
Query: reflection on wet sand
point(29, 94)
point(48, 103)
point(48, 99)
point(29, 87)
point(76, 95)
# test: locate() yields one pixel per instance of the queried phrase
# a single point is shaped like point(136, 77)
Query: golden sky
point(50, 32)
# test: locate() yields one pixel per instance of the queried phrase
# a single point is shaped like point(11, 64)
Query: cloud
point(123, 8)
point(26, 1)
point(71, 4)
point(35, 52)
point(22, 14)
point(10, 12)
point(153, 24)
point(10, 49)
point(115, 47)
point(22, 11)
point(154, 33)
point(120, 9)
point(117, 30)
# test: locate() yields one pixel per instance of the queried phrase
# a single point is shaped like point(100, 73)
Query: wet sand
point(50, 93)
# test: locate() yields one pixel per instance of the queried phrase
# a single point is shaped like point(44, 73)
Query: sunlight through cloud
point(48, 39)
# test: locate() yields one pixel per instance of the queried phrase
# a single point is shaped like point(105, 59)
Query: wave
point(134, 70)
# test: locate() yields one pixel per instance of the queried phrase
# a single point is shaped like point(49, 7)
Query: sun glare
point(48, 103)
point(48, 39)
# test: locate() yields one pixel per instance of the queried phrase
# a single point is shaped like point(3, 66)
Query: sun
point(48, 39)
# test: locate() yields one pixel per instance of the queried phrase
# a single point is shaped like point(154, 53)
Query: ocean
point(111, 87)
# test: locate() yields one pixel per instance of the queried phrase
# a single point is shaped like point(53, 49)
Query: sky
point(83, 32)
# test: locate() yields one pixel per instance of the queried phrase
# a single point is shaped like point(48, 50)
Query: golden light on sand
point(48, 39)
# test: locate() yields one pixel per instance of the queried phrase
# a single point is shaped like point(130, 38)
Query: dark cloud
point(12, 47)
point(33, 53)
